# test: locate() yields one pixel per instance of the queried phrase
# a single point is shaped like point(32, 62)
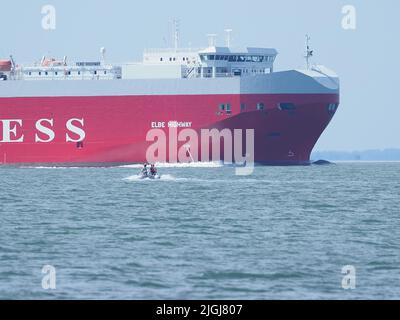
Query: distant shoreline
point(362, 161)
point(376, 155)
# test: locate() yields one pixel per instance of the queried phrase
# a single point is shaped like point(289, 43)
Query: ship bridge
point(225, 62)
point(212, 62)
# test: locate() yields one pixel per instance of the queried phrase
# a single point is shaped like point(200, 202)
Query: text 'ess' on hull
point(95, 113)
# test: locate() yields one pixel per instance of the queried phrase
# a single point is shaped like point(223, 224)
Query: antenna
point(212, 40)
point(309, 52)
point(175, 37)
point(13, 65)
point(103, 55)
point(228, 37)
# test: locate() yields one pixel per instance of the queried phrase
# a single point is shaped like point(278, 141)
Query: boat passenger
point(144, 170)
point(153, 170)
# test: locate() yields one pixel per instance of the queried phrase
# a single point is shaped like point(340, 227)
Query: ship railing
point(218, 75)
point(167, 50)
point(191, 72)
point(223, 74)
point(195, 72)
point(15, 75)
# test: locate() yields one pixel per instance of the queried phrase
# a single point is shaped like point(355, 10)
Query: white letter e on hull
point(9, 129)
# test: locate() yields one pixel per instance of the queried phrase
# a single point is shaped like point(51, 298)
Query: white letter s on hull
point(47, 131)
point(76, 130)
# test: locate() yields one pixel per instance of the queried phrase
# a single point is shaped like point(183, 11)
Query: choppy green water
point(201, 232)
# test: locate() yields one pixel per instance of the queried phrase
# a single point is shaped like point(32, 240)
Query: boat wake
point(164, 177)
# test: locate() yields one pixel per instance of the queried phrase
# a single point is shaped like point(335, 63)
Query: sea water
point(201, 232)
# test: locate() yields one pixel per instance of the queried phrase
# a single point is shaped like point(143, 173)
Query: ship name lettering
point(14, 131)
point(155, 125)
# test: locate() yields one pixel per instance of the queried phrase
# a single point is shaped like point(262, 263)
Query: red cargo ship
point(94, 113)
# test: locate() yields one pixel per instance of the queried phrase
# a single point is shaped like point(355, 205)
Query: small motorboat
point(154, 177)
point(146, 175)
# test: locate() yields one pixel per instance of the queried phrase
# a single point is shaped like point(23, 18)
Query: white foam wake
point(164, 177)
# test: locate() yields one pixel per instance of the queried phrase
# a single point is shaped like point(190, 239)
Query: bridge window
point(40, 73)
point(222, 107)
point(237, 72)
point(232, 58)
point(161, 59)
point(242, 107)
point(228, 109)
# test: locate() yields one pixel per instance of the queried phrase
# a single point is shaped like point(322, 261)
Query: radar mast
point(309, 53)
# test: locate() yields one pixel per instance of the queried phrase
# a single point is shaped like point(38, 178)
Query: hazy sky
point(367, 59)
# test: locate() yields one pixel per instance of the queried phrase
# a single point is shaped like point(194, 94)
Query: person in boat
point(144, 170)
point(153, 170)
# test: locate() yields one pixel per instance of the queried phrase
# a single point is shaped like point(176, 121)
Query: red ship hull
point(116, 126)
